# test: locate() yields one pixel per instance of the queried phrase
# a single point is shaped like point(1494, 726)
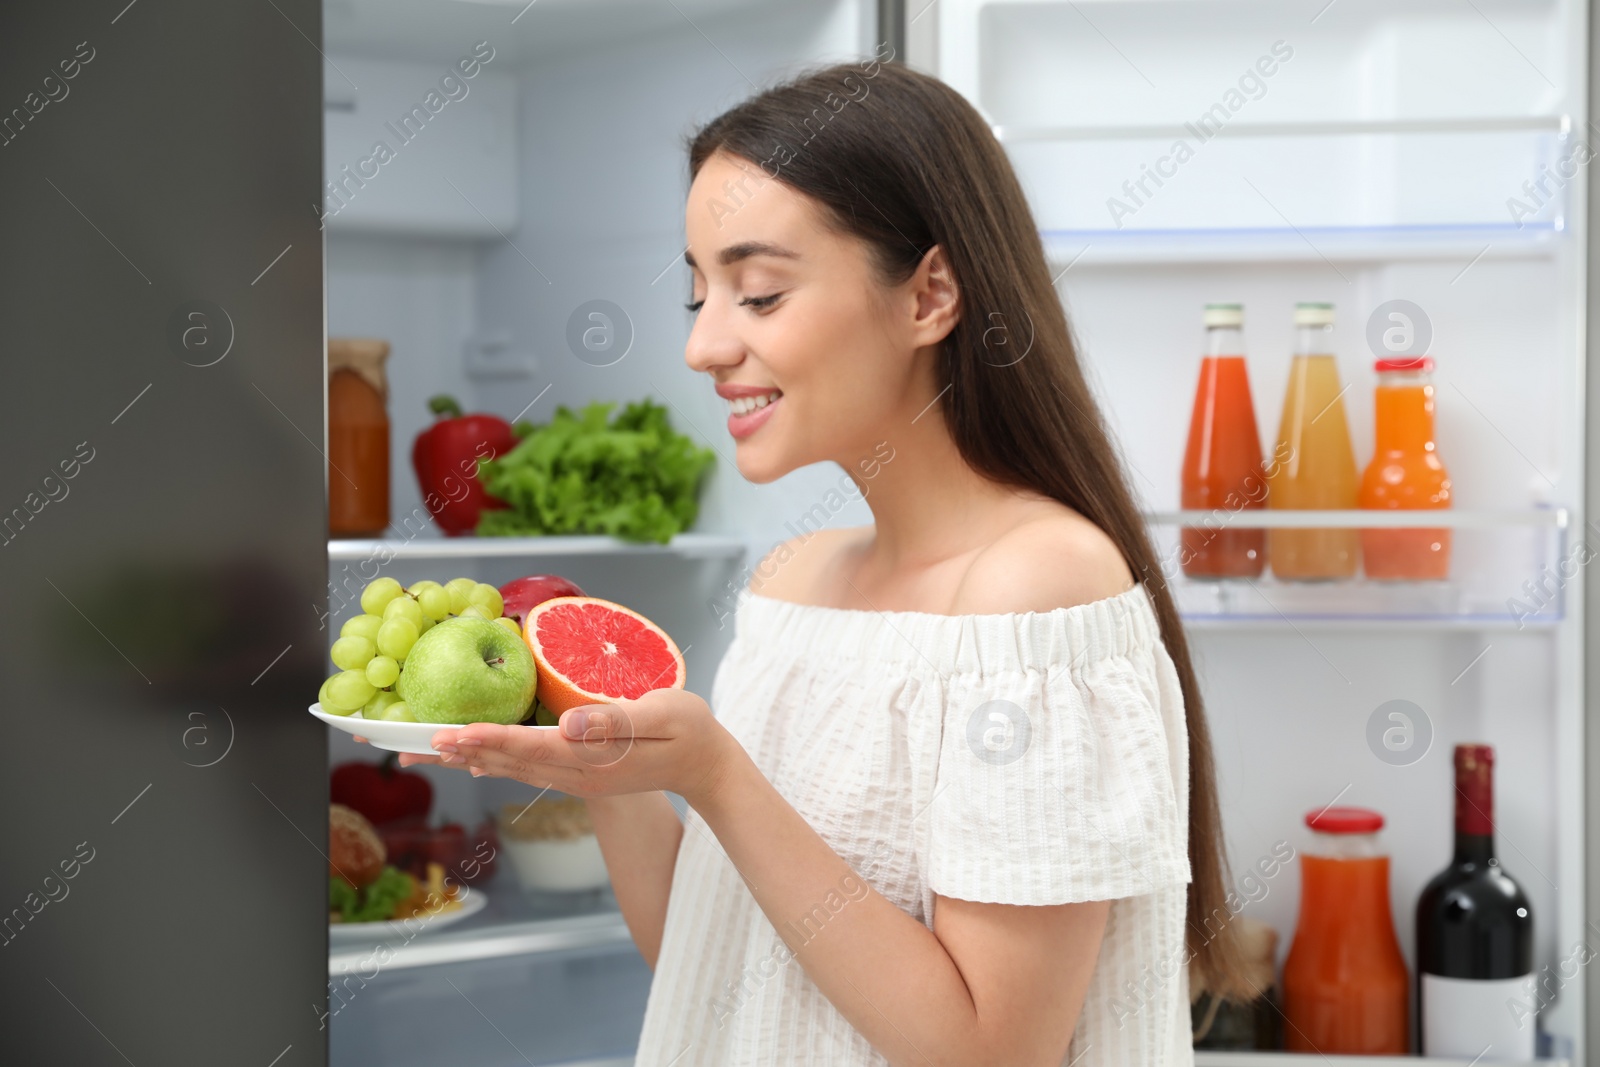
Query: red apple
point(522, 595)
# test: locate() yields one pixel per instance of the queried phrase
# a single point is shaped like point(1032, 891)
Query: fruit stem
point(387, 767)
point(445, 405)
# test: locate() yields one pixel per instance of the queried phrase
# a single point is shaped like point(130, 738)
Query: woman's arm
point(639, 835)
point(989, 984)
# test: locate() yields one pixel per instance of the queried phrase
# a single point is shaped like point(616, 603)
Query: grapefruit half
point(590, 651)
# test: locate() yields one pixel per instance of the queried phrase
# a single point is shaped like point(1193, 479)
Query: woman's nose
point(711, 343)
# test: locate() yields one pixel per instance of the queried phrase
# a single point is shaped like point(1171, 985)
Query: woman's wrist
point(724, 776)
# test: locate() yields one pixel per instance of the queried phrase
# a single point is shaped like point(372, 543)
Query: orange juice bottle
point(1405, 473)
point(1345, 985)
point(1314, 467)
point(1222, 472)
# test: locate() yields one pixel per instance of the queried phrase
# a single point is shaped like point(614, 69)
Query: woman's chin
point(757, 465)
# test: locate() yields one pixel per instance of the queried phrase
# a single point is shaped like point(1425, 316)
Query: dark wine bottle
point(1475, 982)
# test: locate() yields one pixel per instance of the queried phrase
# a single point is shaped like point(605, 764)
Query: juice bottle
point(1345, 987)
point(1313, 467)
point(1222, 471)
point(1405, 473)
point(358, 438)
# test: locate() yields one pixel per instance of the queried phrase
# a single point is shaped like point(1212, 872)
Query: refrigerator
point(201, 204)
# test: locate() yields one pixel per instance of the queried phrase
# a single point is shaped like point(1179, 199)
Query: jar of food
point(1236, 1025)
point(1345, 987)
point(551, 844)
point(358, 438)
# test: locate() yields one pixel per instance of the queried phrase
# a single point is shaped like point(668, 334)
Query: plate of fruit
point(433, 654)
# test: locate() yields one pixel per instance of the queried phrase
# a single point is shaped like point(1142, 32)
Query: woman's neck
point(927, 504)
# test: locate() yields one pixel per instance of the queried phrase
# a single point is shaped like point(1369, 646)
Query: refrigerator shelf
point(492, 938)
point(1016, 133)
point(1358, 603)
point(683, 546)
point(1466, 241)
point(1449, 518)
point(1509, 570)
point(1293, 1059)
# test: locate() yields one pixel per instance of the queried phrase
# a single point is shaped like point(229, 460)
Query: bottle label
point(1478, 1019)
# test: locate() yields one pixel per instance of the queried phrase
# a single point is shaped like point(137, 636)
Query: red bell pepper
point(446, 456)
point(382, 792)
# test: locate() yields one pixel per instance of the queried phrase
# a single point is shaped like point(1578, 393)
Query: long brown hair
point(903, 162)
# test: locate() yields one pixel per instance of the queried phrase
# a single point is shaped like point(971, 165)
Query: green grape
point(427, 624)
point(416, 588)
point(396, 638)
point(460, 590)
point(351, 653)
point(435, 603)
point(380, 700)
point(382, 671)
point(473, 611)
point(488, 598)
point(378, 593)
point(327, 701)
point(510, 624)
point(398, 711)
point(350, 690)
point(362, 626)
point(403, 607)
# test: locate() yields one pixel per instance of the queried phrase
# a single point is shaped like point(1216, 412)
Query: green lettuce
point(374, 903)
point(631, 476)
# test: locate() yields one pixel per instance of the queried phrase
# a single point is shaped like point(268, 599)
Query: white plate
point(348, 933)
point(413, 737)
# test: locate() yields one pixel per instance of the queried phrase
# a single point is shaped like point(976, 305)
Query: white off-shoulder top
point(1026, 758)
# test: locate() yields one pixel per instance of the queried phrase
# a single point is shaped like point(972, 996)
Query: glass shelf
point(683, 546)
point(1465, 241)
point(514, 922)
point(1509, 570)
point(1449, 518)
point(1293, 1059)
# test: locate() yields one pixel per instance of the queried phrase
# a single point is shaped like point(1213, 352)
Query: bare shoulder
point(791, 570)
point(1056, 559)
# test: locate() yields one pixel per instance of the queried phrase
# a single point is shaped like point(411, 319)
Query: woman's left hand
point(665, 740)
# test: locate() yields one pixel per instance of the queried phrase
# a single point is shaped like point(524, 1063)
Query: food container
point(358, 437)
point(551, 845)
point(1345, 984)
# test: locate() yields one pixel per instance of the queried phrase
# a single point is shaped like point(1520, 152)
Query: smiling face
point(814, 353)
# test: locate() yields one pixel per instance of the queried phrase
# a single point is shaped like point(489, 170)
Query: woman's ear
point(938, 299)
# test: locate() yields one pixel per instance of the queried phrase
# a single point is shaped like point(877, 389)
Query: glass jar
point(358, 438)
point(1345, 985)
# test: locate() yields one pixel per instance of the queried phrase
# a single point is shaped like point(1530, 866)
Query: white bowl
point(558, 865)
point(413, 737)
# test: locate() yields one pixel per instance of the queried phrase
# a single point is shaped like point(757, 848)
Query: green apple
point(468, 670)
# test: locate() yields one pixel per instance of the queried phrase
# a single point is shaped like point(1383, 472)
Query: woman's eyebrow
point(744, 250)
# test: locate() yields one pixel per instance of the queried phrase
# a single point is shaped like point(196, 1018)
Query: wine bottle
point(1475, 937)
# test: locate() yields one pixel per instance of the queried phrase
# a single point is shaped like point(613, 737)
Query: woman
point(951, 809)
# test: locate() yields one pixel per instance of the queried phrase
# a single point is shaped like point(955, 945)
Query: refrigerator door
point(162, 534)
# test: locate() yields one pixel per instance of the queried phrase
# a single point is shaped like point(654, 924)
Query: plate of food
point(369, 899)
point(432, 655)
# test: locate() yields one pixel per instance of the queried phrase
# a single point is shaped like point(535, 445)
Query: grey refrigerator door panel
point(162, 533)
